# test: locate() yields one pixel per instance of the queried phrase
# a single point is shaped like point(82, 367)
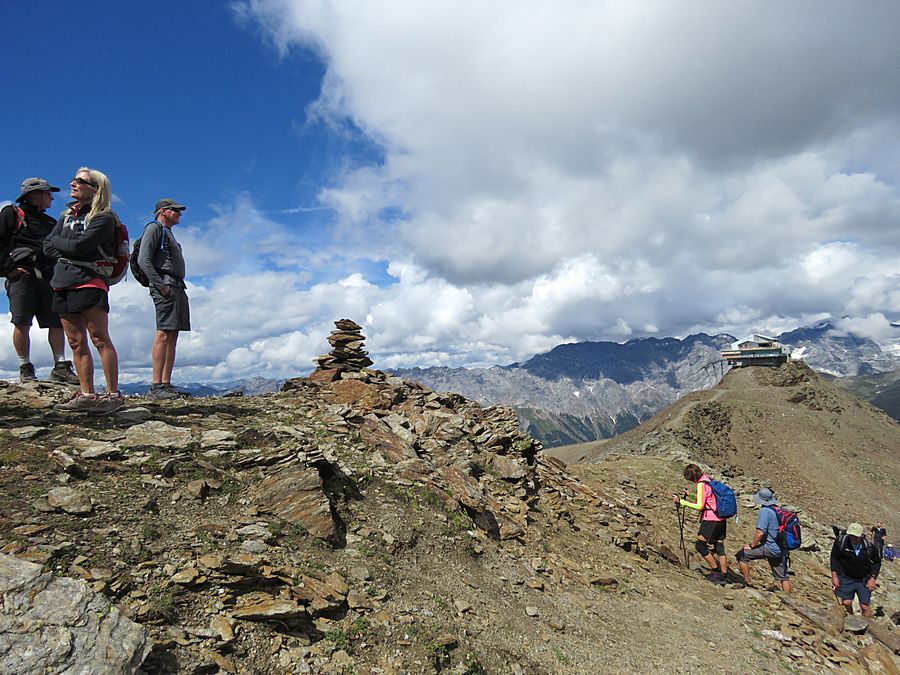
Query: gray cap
point(33, 185)
point(168, 204)
point(764, 497)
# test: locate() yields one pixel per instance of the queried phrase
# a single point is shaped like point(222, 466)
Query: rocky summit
point(356, 522)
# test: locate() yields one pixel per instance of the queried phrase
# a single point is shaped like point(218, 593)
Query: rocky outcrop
point(59, 625)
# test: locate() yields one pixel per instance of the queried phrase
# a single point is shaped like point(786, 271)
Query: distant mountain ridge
point(589, 390)
point(251, 386)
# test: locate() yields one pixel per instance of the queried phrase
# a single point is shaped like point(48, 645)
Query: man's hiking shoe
point(716, 578)
point(26, 373)
point(109, 403)
point(178, 392)
point(62, 372)
point(161, 392)
point(79, 403)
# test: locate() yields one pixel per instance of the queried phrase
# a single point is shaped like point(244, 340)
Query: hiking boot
point(26, 373)
point(160, 392)
point(716, 578)
point(62, 372)
point(109, 403)
point(177, 392)
point(79, 403)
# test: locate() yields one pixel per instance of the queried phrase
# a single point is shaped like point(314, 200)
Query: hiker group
point(60, 272)
point(855, 561)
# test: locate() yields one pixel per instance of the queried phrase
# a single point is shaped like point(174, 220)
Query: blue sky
point(173, 98)
point(474, 182)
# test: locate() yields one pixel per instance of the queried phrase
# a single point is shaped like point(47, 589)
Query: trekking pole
point(679, 512)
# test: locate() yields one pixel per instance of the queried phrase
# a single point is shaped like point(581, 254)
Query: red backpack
point(112, 266)
point(122, 253)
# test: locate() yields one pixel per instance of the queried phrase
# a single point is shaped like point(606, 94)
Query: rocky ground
point(369, 525)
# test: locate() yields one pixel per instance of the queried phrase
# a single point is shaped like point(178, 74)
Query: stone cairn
point(347, 354)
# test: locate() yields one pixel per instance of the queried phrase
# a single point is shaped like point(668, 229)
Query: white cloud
point(557, 171)
point(874, 326)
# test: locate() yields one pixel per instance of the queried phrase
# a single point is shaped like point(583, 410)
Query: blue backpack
point(726, 503)
point(789, 535)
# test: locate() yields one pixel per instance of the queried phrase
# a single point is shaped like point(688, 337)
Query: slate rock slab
point(70, 500)
point(59, 625)
point(156, 434)
point(297, 496)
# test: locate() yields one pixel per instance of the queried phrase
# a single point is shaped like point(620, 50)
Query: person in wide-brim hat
point(765, 544)
point(30, 185)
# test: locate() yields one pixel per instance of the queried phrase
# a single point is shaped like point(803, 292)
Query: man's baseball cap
point(33, 185)
point(168, 204)
point(855, 530)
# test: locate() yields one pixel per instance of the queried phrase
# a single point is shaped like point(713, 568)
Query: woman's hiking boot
point(79, 403)
point(108, 403)
point(62, 372)
point(26, 373)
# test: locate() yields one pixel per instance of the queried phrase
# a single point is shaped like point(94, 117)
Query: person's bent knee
point(720, 549)
point(100, 342)
point(702, 547)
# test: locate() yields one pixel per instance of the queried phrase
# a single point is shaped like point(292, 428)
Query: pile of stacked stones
point(347, 354)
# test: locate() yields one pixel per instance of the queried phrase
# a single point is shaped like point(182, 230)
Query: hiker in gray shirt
point(161, 260)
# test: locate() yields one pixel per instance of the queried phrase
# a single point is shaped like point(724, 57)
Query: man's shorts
point(713, 530)
point(850, 587)
point(172, 311)
point(30, 297)
point(78, 300)
point(779, 562)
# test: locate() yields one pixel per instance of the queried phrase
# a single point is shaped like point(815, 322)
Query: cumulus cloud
point(602, 170)
point(558, 171)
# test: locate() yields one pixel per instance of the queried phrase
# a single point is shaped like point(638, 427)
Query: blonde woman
point(84, 235)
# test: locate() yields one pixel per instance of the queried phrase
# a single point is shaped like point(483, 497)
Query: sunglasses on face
point(81, 181)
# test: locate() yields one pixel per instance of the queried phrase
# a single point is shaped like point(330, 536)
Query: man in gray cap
point(855, 565)
point(765, 545)
point(23, 228)
point(161, 260)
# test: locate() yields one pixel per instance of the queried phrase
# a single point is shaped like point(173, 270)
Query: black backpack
point(136, 270)
point(871, 550)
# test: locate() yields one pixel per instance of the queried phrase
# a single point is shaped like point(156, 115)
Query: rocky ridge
point(592, 390)
point(357, 522)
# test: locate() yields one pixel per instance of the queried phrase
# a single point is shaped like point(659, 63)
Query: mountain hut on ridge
point(756, 350)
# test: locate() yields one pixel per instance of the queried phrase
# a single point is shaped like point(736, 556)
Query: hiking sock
point(57, 358)
point(24, 359)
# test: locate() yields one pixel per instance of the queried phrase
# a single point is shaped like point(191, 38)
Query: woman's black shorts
point(77, 300)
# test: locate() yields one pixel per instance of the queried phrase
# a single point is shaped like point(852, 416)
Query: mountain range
point(585, 391)
point(592, 390)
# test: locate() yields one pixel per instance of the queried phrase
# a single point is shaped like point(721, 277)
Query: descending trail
point(717, 394)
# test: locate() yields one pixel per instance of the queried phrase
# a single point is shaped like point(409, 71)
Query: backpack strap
point(102, 267)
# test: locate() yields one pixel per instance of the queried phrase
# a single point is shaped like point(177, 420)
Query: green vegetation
point(461, 520)
point(162, 605)
point(338, 637)
point(560, 656)
point(150, 532)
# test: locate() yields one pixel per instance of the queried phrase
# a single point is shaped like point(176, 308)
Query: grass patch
point(162, 605)
point(560, 656)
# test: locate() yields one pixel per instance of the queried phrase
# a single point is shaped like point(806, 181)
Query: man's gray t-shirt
point(767, 521)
